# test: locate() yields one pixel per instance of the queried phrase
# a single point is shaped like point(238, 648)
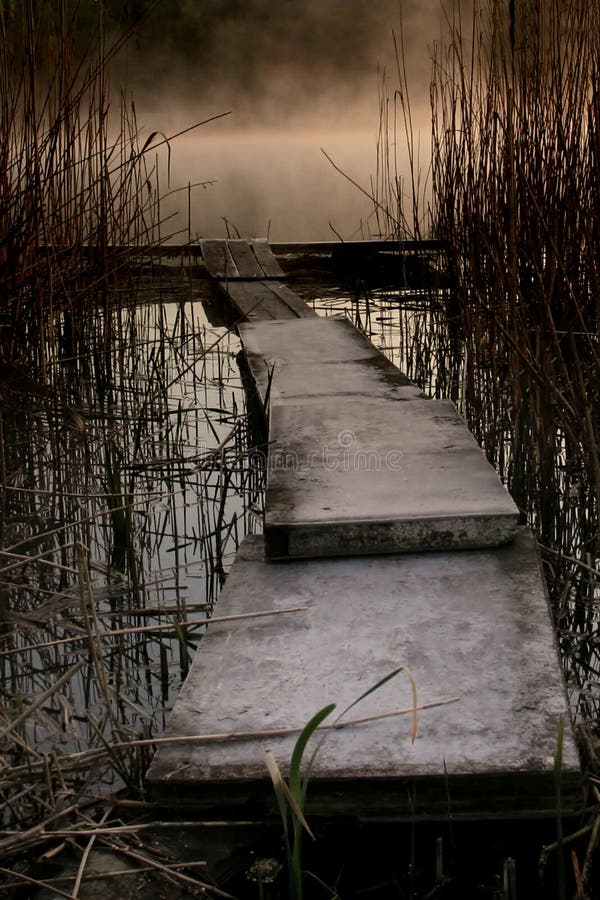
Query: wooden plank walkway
point(472, 626)
point(239, 259)
point(248, 274)
point(261, 300)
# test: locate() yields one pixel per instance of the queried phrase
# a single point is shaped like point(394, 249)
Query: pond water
point(128, 489)
point(277, 182)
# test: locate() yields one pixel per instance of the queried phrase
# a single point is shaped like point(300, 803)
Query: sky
point(296, 76)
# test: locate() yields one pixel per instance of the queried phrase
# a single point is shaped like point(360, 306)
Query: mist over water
point(275, 183)
point(296, 76)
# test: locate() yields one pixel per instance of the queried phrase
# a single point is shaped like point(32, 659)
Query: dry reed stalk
point(19, 878)
point(150, 629)
point(515, 162)
point(40, 700)
point(84, 858)
point(102, 394)
point(121, 873)
point(515, 167)
point(172, 875)
point(88, 757)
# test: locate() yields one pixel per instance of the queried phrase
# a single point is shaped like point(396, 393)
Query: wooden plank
point(247, 299)
point(256, 300)
point(267, 261)
point(245, 260)
point(260, 300)
point(293, 301)
point(218, 259)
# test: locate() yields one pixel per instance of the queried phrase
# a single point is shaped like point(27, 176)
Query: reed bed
point(74, 185)
point(513, 177)
point(510, 329)
point(120, 519)
point(515, 164)
point(126, 482)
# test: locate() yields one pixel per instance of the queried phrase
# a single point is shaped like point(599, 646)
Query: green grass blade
point(300, 746)
point(284, 795)
point(373, 688)
point(278, 786)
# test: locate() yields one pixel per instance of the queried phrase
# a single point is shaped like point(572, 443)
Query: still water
point(127, 490)
point(278, 183)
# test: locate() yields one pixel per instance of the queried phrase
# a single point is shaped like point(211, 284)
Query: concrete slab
point(319, 357)
point(473, 627)
point(307, 343)
point(359, 461)
point(346, 478)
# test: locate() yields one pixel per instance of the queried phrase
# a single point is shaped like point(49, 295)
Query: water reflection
point(125, 497)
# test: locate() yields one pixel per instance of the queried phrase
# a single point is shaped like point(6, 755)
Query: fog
point(296, 77)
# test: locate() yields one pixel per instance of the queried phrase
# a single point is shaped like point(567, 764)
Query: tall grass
point(512, 335)
point(515, 168)
point(74, 186)
point(123, 474)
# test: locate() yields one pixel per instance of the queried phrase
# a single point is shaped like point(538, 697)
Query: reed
point(74, 188)
point(123, 457)
point(515, 163)
point(511, 332)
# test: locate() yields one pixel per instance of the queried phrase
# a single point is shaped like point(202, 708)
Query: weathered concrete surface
point(320, 357)
point(264, 301)
point(359, 461)
point(394, 476)
point(472, 625)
